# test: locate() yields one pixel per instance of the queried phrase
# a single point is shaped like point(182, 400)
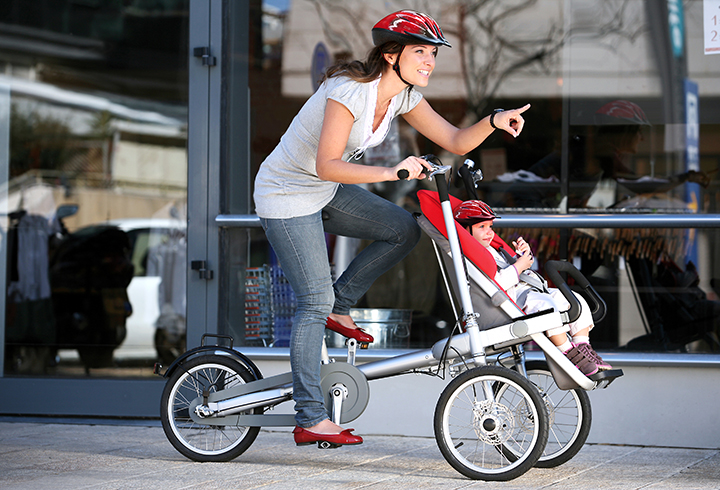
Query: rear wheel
point(484, 411)
point(569, 416)
point(197, 441)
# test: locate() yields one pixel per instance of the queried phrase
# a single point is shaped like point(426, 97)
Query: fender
point(210, 349)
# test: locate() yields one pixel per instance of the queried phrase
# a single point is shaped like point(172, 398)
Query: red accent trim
point(476, 253)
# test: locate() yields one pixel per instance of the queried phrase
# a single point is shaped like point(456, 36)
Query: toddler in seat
point(477, 218)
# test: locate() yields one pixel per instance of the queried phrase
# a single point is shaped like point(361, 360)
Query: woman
point(305, 188)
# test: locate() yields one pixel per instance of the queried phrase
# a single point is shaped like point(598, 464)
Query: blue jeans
point(300, 245)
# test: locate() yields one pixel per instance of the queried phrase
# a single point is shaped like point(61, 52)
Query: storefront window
point(93, 166)
point(624, 119)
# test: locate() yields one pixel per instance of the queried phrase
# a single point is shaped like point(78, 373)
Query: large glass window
point(624, 119)
point(93, 167)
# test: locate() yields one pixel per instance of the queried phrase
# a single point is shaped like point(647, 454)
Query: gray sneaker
point(583, 360)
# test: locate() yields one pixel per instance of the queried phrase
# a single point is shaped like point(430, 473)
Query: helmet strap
point(396, 67)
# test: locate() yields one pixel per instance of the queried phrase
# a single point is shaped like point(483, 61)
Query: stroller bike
point(492, 420)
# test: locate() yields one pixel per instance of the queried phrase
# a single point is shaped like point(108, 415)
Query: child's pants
point(536, 301)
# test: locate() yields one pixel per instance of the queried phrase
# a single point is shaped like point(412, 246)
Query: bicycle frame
point(225, 406)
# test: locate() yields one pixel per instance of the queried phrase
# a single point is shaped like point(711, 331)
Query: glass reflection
point(94, 99)
point(605, 134)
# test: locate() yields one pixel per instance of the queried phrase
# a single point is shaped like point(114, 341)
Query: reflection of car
point(89, 272)
point(158, 253)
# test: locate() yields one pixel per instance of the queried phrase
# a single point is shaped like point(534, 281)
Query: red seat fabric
point(473, 251)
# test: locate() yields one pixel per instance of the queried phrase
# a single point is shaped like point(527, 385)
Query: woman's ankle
point(325, 427)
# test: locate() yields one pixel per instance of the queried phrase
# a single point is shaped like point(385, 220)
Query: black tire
point(472, 426)
point(204, 443)
point(569, 416)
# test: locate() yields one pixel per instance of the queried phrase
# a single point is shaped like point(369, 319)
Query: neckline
point(372, 109)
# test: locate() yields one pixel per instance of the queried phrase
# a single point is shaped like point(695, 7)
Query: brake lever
point(437, 168)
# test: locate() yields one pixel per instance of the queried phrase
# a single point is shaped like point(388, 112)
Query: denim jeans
point(301, 248)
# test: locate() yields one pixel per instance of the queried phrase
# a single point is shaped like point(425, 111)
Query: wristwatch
point(492, 118)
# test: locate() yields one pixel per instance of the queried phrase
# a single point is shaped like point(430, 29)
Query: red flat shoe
point(304, 437)
point(353, 333)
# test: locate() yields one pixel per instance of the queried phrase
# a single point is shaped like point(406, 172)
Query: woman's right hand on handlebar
point(414, 166)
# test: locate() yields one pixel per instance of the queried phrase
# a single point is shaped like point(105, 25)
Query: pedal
point(364, 345)
point(327, 445)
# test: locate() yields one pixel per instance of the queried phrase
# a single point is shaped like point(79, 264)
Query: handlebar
point(435, 163)
point(553, 269)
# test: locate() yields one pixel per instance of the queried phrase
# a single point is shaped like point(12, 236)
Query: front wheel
point(204, 443)
point(482, 413)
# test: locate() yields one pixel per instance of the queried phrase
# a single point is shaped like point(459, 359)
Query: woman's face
point(417, 61)
point(483, 232)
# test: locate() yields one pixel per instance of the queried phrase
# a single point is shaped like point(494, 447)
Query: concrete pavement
point(55, 456)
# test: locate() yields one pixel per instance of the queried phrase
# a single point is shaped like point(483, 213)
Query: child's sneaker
point(580, 356)
point(601, 365)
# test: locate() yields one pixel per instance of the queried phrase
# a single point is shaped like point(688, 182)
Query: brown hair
point(364, 71)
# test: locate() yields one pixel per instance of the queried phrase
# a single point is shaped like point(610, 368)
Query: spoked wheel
point(569, 416)
point(482, 413)
point(204, 375)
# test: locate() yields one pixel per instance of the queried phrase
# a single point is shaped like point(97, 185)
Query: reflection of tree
point(495, 43)
point(37, 141)
point(496, 38)
point(42, 142)
point(499, 39)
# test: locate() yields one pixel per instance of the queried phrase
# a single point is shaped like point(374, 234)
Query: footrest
point(604, 378)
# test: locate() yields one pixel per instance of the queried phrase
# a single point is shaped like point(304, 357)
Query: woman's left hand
point(511, 120)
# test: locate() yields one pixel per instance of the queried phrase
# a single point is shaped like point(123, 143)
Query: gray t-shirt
point(287, 184)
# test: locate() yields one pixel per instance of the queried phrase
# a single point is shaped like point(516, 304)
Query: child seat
point(495, 309)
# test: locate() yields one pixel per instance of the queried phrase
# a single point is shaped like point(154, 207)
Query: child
point(477, 218)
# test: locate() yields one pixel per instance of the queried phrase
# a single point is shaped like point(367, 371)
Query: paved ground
point(57, 456)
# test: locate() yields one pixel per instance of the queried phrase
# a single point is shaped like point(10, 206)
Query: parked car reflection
point(154, 327)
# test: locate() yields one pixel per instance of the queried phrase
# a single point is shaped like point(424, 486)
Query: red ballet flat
point(353, 333)
point(304, 437)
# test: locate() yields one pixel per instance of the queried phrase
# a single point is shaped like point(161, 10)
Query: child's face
point(483, 232)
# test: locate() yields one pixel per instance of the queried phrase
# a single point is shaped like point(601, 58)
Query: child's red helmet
point(408, 27)
point(470, 212)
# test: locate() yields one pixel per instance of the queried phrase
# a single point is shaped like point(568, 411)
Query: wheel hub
point(492, 421)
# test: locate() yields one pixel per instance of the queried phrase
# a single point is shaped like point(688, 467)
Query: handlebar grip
point(403, 174)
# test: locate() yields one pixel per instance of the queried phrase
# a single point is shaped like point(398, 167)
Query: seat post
point(469, 318)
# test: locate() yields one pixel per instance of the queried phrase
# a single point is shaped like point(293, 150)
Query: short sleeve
point(349, 93)
point(407, 101)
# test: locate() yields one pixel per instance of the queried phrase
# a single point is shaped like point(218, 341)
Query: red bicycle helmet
point(470, 212)
point(621, 112)
point(408, 27)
